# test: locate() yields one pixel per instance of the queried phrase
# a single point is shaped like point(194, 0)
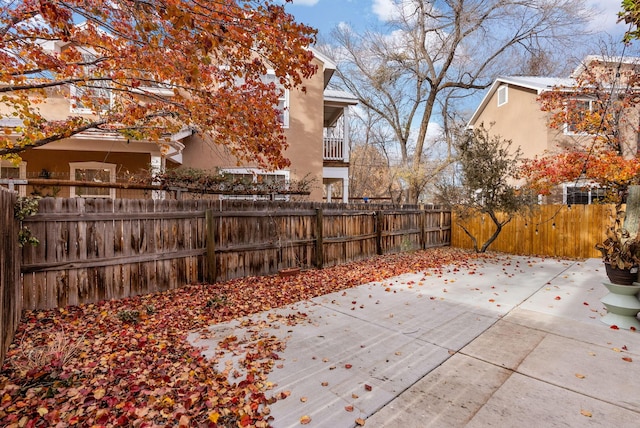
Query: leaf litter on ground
point(127, 362)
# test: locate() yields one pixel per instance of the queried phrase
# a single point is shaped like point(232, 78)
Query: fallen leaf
point(360, 422)
point(367, 387)
point(614, 327)
point(347, 366)
point(303, 399)
point(558, 297)
point(586, 413)
point(158, 366)
point(284, 394)
point(184, 421)
point(580, 376)
point(348, 408)
point(325, 384)
point(305, 419)
point(627, 359)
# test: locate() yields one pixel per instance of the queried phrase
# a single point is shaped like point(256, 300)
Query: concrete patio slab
point(508, 341)
point(525, 402)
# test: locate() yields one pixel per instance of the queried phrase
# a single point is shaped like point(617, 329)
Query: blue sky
point(326, 14)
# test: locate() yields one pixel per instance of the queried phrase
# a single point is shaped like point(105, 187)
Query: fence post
point(423, 220)
point(319, 239)
point(211, 246)
point(379, 224)
point(10, 285)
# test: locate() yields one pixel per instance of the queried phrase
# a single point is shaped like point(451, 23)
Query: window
point(503, 95)
point(255, 176)
point(9, 171)
point(16, 172)
point(577, 111)
point(96, 172)
point(283, 100)
point(95, 96)
point(583, 195)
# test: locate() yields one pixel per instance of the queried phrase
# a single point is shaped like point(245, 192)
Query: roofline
point(494, 87)
point(328, 65)
point(328, 62)
point(342, 100)
point(603, 58)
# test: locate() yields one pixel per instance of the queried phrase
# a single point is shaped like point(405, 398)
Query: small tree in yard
point(487, 170)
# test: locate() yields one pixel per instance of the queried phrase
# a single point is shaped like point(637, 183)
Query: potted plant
point(621, 257)
point(620, 254)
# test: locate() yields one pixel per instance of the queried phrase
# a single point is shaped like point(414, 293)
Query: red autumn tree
point(147, 69)
point(597, 119)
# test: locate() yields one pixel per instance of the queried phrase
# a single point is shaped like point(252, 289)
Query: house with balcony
point(314, 123)
point(511, 108)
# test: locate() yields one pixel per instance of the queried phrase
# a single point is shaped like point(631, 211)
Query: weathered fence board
point(553, 230)
point(10, 290)
point(96, 249)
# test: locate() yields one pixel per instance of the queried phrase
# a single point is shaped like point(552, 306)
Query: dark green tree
point(486, 184)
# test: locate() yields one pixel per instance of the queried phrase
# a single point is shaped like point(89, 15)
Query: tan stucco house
point(317, 132)
point(313, 124)
point(512, 110)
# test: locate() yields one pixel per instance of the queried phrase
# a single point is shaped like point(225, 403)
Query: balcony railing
point(333, 148)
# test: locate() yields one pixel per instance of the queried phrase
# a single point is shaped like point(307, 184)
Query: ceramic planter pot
point(622, 305)
point(621, 276)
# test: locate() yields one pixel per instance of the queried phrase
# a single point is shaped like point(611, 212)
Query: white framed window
point(279, 178)
point(503, 95)
point(9, 171)
point(582, 193)
point(283, 99)
point(97, 172)
point(579, 109)
point(96, 96)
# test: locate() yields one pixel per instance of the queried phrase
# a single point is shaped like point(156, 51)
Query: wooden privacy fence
point(553, 230)
point(95, 249)
point(10, 291)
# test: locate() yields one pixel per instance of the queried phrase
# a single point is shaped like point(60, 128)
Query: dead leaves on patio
point(128, 363)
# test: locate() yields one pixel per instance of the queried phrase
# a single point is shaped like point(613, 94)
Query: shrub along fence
point(95, 249)
point(10, 290)
point(554, 230)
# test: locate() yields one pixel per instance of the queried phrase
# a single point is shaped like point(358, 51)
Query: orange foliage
point(167, 65)
point(599, 109)
point(605, 168)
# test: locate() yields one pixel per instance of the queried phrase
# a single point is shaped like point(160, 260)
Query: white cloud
point(606, 16)
point(305, 2)
point(385, 9)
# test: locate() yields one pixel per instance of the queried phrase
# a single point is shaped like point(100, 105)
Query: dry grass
point(53, 355)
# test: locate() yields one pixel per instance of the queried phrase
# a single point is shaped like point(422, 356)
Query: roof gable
point(536, 83)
